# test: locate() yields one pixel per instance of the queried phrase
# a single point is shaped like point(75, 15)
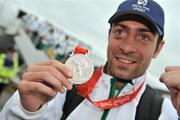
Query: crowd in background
point(56, 43)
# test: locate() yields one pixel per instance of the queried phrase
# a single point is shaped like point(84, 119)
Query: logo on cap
point(140, 6)
point(142, 2)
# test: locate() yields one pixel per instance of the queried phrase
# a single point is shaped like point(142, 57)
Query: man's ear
point(158, 48)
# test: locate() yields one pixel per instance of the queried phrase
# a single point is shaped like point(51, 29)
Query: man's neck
point(119, 85)
point(119, 82)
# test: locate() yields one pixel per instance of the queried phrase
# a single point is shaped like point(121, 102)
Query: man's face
point(130, 50)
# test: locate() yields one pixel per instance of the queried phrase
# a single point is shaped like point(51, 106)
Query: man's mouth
point(126, 60)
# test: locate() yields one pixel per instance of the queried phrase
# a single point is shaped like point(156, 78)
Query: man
point(171, 78)
point(116, 91)
point(8, 67)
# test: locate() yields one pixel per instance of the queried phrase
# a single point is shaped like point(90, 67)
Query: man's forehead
point(131, 23)
point(140, 23)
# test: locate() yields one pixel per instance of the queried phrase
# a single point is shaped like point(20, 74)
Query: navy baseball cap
point(146, 11)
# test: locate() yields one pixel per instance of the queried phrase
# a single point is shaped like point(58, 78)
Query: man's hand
point(171, 78)
point(41, 82)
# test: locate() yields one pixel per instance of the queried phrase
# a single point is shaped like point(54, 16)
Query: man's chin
point(124, 80)
point(126, 77)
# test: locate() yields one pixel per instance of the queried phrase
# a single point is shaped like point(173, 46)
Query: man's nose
point(128, 45)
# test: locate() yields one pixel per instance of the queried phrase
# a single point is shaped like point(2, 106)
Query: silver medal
point(82, 68)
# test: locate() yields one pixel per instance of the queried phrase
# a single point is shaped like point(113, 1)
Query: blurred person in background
point(8, 67)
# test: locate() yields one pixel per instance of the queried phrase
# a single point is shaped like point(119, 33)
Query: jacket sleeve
point(13, 109)
point(168, 112)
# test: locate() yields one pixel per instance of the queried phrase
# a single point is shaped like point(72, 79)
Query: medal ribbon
point(80, 50)
point(86, 88)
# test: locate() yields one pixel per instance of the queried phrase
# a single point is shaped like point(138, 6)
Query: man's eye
point(144, 37)
point(120, 33)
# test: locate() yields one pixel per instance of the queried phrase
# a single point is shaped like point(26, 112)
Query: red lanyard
point(86, 88)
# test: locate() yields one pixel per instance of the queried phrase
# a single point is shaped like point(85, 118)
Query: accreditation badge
point(81, 66)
